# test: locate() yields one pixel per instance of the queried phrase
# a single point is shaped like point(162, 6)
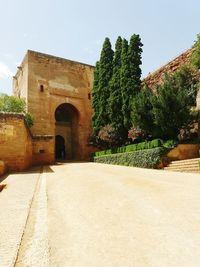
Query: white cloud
point(5, 72)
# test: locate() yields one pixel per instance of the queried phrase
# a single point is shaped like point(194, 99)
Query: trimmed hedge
point(149, 158)
point(133, 147)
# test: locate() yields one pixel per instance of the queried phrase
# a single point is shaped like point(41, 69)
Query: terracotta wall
point(3, 168)
point(15, 142)
point(184, 151)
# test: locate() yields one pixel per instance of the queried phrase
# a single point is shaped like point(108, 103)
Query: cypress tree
point(124, 83)
point(95, 99)
point(130, 75)
point(115, 100)
point(134, 58)
point(105, 74)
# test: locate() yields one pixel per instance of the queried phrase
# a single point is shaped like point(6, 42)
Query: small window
point(41, 88)
point(41, 151)
point(89, 96)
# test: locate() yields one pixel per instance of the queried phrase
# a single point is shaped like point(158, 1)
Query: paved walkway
point(113, 216)
point(101, 215)
point(15, 202)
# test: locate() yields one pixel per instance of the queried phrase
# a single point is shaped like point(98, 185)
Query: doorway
point(66, 132)
point(60, 150)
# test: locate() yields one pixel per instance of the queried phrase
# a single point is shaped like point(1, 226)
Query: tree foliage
point(116, 82)
point(167, 111)
point(115, 100)
point(105, 74)
point(134, 58)
point(16, 105)
point(130, 75)
point(124, 83)
point(195, 59)
point(12, 104)
point(141, 114)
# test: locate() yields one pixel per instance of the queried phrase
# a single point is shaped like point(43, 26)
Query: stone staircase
point(187, 165)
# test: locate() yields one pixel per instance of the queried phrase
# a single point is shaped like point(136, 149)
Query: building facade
point(58, 95)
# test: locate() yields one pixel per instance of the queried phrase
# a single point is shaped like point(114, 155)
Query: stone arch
point(66, 126)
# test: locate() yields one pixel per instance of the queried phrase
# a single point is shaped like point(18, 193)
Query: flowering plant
point(135, 133)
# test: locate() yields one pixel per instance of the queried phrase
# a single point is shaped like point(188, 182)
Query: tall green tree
point(105, 74)
point(124, 83)
point(115, 100)
point(135, 60)
point(130, 75)
point(95, 100)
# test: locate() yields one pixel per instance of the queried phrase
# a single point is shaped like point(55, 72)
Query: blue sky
point(76, 29)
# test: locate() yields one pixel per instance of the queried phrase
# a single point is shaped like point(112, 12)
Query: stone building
point(58, 95)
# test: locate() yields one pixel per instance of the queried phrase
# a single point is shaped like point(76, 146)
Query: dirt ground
point(104, 215)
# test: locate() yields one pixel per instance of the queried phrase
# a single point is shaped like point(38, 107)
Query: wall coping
point(61, 59)
point(11, 115)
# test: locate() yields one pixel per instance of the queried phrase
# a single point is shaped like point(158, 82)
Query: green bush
point(29, 119)
point(121, 149)
point(148, 158)
point(133, 147)
point(156, 143)
point(16, 105)
point(170, 143)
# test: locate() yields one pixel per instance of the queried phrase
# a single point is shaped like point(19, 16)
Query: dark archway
point(66, 116)
point(60, 147)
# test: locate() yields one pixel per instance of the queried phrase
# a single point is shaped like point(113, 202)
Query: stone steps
point(188, 165)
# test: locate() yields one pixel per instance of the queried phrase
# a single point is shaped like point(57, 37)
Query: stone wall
point(43, 150)
point(156, 77)
point(19, 149)
point(184, 151)
point(3, 168)
point(15, 142)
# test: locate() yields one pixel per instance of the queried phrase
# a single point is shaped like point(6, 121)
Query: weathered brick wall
point(15, 142)
point(3, 168)
point(156, 77)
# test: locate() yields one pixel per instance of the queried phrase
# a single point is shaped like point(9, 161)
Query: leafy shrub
point(17, 105)
point(29, 119)
point(133, 147)
point(121, 149)
point(170, 143)
point(149, 158)
point(135, 133)
point(156, 143)
point(195, 59)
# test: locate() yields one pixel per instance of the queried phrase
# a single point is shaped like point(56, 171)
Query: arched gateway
point(66, 132)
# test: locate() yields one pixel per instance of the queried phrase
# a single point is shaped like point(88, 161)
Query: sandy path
point(103, 215)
